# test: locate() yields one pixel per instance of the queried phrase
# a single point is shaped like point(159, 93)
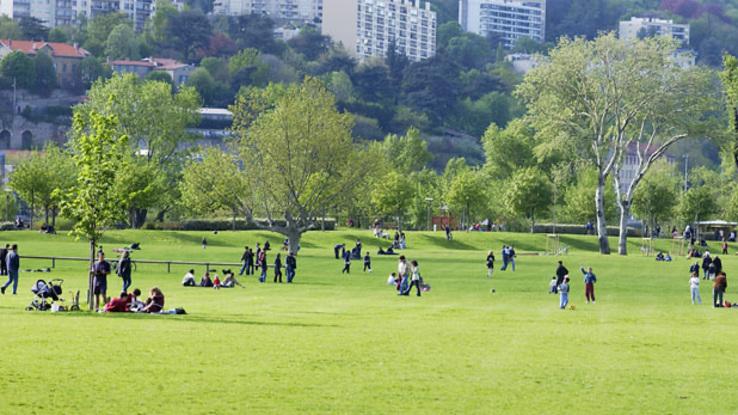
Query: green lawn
point(347, 344)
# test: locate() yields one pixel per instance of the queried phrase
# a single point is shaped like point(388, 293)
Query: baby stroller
point(46, 293)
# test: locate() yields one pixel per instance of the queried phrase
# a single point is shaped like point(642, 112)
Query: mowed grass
point(332, 343)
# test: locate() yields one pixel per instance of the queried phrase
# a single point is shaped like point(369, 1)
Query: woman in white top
point(415, 278)
point(694, 288)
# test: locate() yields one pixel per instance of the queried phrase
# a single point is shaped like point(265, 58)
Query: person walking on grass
point(263, 265)
point(490, 264)
point(204, 243)
point(278, 268)
point(367, 263)
point(402, 274)
point(694, 288)
point(718, 289)
point(564, 293)
point(124, 270)
point(505, 258)
point(589, 284)
point(346, 263)
point(415, 280)
point(511, 257)
point(291, 266)
point(706, 262)
point(561, 273)
point(100, 269)
point(245, 261)
point(3, 257)
point(12, 267)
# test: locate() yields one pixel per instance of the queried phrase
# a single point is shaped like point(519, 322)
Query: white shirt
point(694, 282)
point(416, 273)
point(188, 277)
point(402, 269)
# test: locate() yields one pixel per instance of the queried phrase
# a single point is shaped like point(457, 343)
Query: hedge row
point(579, 230)
point(218, 225)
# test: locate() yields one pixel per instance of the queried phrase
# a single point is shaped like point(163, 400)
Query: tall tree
point(408, 153)
point(216, 183)
point(90, 203)
point(155, 119)
point(467, 195)
point(528, 194)
point(656, 198)
point(301, 154)
point(607, 95)
point(41, 178)
point(392, 195)
point(188, 31)
point(122, 43)
point(18, 67)
point(45, 74)
point(729, 77)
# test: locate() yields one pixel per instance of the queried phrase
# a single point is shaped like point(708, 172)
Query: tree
point(37, 178)
point(98, 30)
point(155, 119)
point(508, 149)
point(247, 68)
point(310, 43)
point(19, 67)
point(253, 31)
point(301, 154)
point(729, 77)
point(89, 70)
point(392, 195)
point(90, 203)
point(9, 29)
point(528, 194)
point(43, 69)
point(122, 43)
point(160, 76)
point(216, 183)
point(432, 86)
point(407, 153)
point(204, 84)
point(579, 205)
point(188, 31)
point(33, 28)
point(697, 203)
point(657, 197)
point(467, 194)
point(605, 96)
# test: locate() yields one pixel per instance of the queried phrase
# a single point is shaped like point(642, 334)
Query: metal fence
point(169, 264)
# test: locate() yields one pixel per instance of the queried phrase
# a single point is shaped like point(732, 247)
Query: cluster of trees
point(595, 109)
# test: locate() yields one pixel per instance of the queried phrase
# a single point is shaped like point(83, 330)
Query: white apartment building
point(367, 28)
point(64, 12)
point(305, 11)
point(508, 19)
point(638, 27)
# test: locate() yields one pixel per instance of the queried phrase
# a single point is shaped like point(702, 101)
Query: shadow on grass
point(188, 318)
point(440, 241)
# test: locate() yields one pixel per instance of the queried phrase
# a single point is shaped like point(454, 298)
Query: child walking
point(553, 286)
point(367, 263)
point(564, 293)
point(694, 288)
point(346, 263)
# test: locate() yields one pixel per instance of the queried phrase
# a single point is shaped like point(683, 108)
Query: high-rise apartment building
point(307, 11)
point(510, 20)
point(369, 27)
point(63, 12)
point(638, 27)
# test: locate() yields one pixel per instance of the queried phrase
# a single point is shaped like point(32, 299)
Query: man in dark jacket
point(718, 263)
point(706, 262)
point(3, 256)
point(291, 266)
point(245, 261)
point(12, 263)
point(718, 289)
point(561, 272)
point(124, 270)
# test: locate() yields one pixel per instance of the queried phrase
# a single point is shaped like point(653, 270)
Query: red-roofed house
point(66, 57)
point(178, 71)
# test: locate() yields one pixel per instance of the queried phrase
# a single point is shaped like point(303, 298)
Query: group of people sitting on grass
point(131, 303)
point(407, 277)
point(661, 257)
point(229, 280)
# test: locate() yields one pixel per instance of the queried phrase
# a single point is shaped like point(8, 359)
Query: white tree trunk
point(601, 221)
point(623, 231)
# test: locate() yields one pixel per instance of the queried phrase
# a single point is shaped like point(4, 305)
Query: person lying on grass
point(118, 305)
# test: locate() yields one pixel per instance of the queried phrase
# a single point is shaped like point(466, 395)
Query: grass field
point(347, 344)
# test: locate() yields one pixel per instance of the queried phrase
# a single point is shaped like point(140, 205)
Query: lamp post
point(429, 200)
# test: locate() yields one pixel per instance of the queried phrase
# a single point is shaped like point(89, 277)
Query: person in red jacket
point(118, 305)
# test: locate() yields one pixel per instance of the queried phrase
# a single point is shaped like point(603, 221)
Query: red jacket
point(117, 305)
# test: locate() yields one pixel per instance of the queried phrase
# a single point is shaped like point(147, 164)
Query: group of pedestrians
point(508, 257)
point(252, 261)
point(10, 266)
point(407, 277)
point(560, 284)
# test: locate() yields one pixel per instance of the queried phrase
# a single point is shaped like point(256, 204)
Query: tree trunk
point(294, 236)
point(623, 231)
point(601, 221)
point(46, 215)
point(91, 276)
point(233, 222)
point(53, 217)
point(138, 217)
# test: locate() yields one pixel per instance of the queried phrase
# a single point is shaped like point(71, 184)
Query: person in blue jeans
point(12, 262)
point(124, 270)
point(564, 293)
point(291, 266)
